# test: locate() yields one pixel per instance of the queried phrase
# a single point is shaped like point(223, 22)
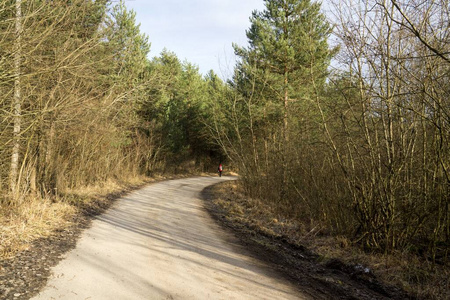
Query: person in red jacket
point(220, 169)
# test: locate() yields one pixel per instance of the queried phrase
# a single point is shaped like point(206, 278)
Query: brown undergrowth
point(417, 276)
point(33, 218)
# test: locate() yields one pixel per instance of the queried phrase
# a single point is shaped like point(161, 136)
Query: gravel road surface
point(159, 243)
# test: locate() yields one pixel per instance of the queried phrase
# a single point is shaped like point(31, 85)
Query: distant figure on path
point(220, 169)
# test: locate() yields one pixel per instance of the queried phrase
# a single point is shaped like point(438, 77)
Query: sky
point(198, 31)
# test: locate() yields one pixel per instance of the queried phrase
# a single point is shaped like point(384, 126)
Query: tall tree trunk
point(285, 134)
point(17, 100)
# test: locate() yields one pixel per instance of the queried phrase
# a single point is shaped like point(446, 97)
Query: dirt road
point(159, 243)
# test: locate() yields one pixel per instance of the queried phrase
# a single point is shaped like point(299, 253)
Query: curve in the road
point(159, 243)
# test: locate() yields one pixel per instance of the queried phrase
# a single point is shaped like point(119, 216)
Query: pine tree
point(288, 49)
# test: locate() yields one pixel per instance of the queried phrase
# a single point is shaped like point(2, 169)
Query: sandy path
point(159, 243)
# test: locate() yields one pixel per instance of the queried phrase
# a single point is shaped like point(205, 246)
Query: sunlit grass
point(33, 218)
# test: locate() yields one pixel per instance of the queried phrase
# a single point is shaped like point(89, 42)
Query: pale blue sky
point(200, 31)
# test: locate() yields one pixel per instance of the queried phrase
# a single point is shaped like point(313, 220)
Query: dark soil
point(321, 280)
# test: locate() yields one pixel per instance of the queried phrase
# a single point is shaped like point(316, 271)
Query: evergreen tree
point(288, 55)
point(127, 44)
point(176, 109)
point(288, 46)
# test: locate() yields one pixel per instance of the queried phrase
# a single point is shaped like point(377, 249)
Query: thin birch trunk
point(17, 101)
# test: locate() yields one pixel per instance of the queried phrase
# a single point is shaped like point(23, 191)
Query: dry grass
point(108, 187)
point(32, 219)
point(419, 277)
point(36, 218)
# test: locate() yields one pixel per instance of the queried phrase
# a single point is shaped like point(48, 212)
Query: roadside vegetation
point(338, 121)
point(398, 275)
point(342, 125)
